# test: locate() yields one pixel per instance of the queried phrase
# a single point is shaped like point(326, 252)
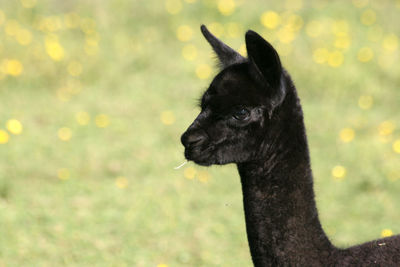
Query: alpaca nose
point(191, 139)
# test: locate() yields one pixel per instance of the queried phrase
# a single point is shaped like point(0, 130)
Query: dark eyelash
point(199, 102)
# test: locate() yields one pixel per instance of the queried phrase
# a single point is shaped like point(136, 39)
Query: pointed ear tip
point(251, 34)
point(203, 28)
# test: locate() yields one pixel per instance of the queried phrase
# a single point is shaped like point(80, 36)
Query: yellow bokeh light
point(314, 28)
point(390, 42)
point(226, 7)
point(189, 173)
point(386, 233)
point(184, 33)
point(368, 17)
point(74, 68)
point(347, 135)
point(4, 137)
point(386, 128)
point(365, 102)
point(365, 54)
point(167, 117)
point(102, 120)
point(203, 71)
point(51, 24)
point(11, 27)
point(82, 117)
point(294, 22)
point(54, 48)
point(163, 264)
point(335, 59)
point(12, 67)
point(63, 174)
point(340, 27)
point(28, 3)
point(64, 134)
point(24, 37)
point(320, 55)
point(14, 126)
point(342, 42)
point(91, 49)
point(286, 35)
point(189, 52)
point(173, 6)
point(203, 176)
point(121, 182)
point(338, 172)
point(270, 19)
point(396, 146)
point(92, 39)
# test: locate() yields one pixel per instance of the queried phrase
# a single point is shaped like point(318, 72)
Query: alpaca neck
point(281, 216)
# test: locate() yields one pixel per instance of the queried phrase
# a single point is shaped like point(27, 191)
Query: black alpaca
point(251, 115)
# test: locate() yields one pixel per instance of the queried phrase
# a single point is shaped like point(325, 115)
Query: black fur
point(251, 115)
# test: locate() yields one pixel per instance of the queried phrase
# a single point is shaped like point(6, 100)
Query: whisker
point(180, 166)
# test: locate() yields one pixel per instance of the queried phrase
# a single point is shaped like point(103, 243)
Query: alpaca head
point(238, 108)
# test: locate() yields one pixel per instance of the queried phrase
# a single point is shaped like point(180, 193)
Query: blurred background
point(94, 98)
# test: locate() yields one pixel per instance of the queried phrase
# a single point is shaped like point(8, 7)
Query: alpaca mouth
point(201, 156)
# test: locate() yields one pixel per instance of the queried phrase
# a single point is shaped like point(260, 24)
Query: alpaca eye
point(241, 114)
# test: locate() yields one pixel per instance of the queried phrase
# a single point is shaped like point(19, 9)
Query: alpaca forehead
point(233, 86)
point(232, 78)
point(224, 103)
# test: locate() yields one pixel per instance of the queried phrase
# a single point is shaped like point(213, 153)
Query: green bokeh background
point(103, 93)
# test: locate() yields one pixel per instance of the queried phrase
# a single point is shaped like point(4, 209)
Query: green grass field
point(95, 96)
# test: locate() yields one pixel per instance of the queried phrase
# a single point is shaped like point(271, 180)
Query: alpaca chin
point(201, 157)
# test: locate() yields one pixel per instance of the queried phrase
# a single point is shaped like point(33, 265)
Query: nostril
point(195, 140)
point(192, 139)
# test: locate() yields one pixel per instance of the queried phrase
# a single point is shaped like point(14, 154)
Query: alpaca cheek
point(230, 154)
point(238, 151)
point(218, 133)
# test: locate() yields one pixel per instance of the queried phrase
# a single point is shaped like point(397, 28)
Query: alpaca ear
point(266, 65)
point(226, 55)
